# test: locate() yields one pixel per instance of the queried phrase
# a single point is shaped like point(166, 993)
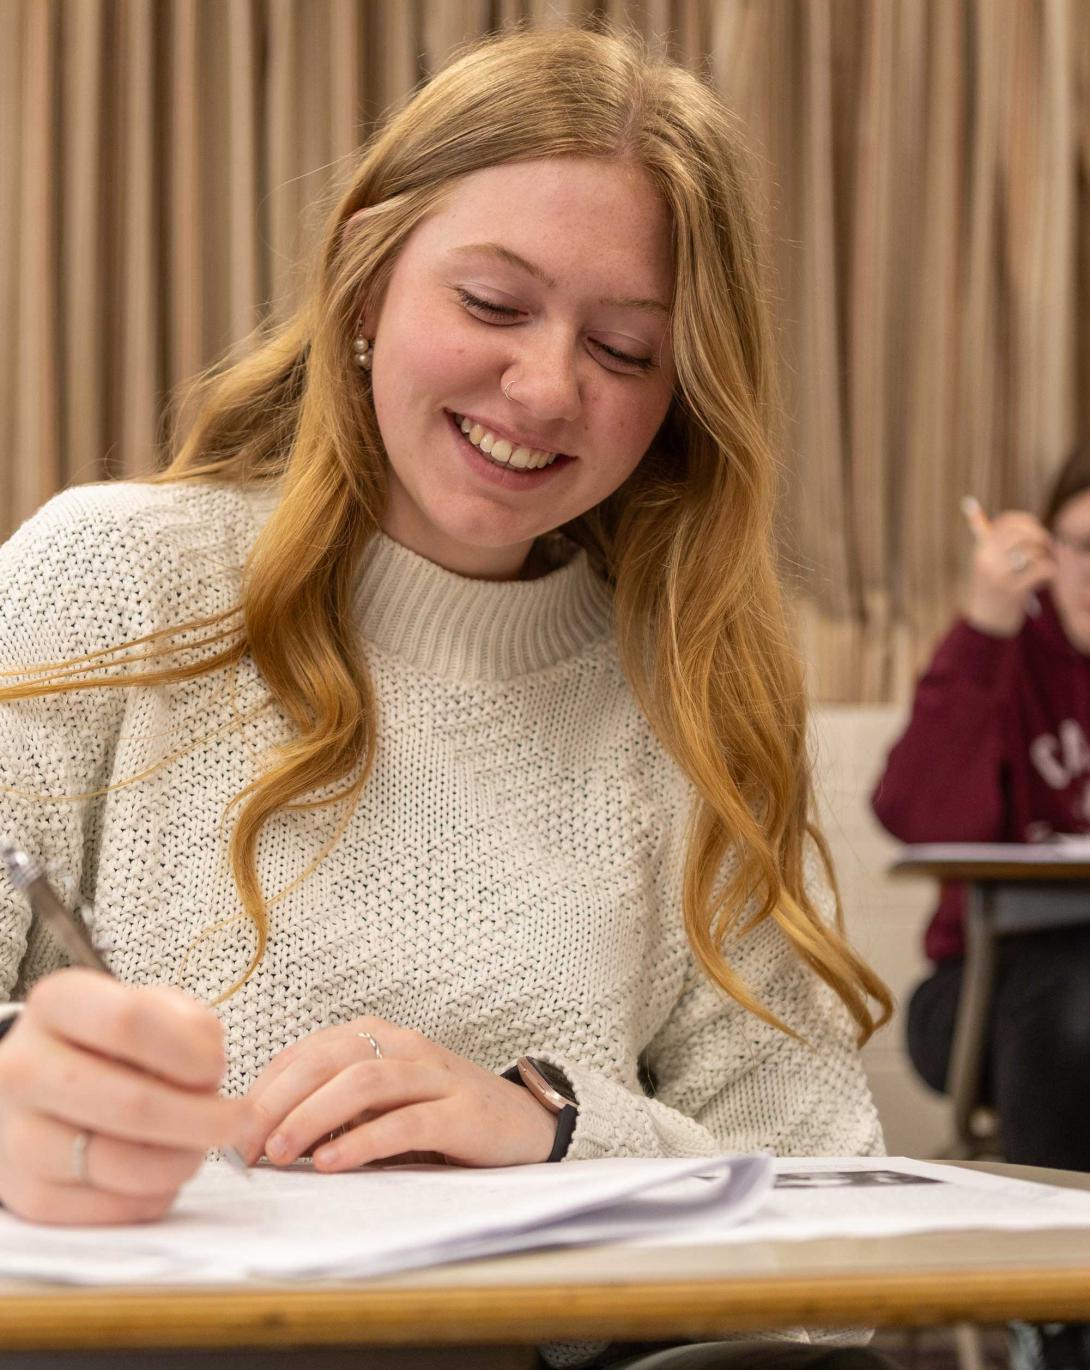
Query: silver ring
point(80, 1143)
point(374, 1045)
point(1018, 560)
point(507, 390)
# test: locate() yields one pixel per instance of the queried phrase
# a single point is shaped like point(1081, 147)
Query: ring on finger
point(340, 1131)
point(80, 1142)
point(1018, 560)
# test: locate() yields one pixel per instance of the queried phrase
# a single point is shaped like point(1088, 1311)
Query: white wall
point(885, 917)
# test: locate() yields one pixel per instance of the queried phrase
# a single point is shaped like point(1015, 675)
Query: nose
point(544, 379)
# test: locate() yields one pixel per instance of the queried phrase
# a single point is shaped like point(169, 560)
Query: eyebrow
point(504, 254)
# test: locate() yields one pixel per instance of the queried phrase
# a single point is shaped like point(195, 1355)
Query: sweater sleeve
point(58, 600)
point(726, 1080)
point(943, 781)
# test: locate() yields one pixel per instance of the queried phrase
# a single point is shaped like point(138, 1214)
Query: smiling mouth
point(501, 451)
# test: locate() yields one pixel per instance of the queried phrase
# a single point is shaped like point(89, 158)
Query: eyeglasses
point(1080, 547)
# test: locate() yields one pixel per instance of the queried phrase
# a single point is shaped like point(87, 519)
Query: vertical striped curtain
point(922, 167)
point(925, 167)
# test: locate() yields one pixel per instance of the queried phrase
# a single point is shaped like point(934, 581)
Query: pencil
point(28, 876)
point(978, 521)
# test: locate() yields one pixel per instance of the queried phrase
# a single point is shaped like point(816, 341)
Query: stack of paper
point(300, 1224)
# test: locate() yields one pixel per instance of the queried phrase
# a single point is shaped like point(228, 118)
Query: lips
point(500, 433)
point(503, 473)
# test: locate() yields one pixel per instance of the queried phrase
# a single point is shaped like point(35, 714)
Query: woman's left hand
point(419, 1097)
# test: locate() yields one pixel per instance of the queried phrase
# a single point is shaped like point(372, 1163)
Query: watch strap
point(565, 1129)
point(9, 1016)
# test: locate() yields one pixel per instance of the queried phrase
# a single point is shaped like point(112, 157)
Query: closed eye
point(499, 313)
point(474, 304)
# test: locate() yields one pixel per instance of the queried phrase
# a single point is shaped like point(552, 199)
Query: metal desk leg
point(967, 1050)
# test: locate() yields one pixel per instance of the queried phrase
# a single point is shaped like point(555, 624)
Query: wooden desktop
point(483, 1314)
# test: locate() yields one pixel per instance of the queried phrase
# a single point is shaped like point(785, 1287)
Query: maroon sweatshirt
point(996, 750)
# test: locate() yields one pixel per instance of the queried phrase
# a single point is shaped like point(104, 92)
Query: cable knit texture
point(510, 881)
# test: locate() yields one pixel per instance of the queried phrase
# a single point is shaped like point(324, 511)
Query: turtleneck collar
point(453, 626)
point(465, 629)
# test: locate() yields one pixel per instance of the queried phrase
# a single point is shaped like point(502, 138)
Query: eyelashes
point(498, 313)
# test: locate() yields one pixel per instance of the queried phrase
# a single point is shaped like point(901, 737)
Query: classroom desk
point(1004, 898)
point(482, 1315)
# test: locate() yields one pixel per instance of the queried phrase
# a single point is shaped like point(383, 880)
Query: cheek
point(628, 425)
point(421, 352)
point(1070, 582)
point(413, 380)
point(420, 360)
point(620, 434)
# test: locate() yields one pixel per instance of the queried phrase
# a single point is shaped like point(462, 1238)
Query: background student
point(381, 716)
point(998, 750)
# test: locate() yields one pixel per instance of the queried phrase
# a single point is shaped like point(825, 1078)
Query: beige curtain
point(922, 166)
point(925, 166)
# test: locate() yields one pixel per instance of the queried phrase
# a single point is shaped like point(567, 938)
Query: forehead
point(587, 222)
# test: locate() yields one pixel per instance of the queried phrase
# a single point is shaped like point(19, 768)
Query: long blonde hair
point(686, 544)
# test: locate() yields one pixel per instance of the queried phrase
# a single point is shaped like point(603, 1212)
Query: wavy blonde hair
point(686, 543)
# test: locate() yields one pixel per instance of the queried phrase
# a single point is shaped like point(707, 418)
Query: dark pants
point(740, 1355)
point(1037, 1056)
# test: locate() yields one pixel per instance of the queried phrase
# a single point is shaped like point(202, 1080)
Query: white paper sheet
point(1062, 847)
point(888, 1196)
point(300, 1224)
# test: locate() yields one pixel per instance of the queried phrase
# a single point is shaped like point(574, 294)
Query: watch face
point(556, 1079)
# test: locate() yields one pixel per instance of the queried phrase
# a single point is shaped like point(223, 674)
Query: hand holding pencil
point(109, 1092)
point(1013, 558)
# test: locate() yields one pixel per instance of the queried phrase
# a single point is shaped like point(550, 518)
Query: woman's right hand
point(134, 1070)
point(1013, 558)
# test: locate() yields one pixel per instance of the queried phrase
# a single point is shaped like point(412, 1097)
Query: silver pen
point(28, 876)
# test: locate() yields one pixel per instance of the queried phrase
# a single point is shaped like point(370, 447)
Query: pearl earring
point(362, 349)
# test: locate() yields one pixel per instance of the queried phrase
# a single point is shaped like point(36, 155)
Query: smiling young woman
point(457, 606)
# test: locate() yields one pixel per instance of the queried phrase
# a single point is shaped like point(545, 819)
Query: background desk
point(1004, 898)
point(920, 1280)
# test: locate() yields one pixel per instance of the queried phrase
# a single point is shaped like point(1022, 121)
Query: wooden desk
point(513, 1302)
point(1004, 898)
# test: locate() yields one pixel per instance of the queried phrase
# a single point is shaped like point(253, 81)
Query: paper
point(301, 1224)
point(890, 1196)
point(1062, 848)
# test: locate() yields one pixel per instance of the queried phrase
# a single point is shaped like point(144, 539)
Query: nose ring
point(507, 390)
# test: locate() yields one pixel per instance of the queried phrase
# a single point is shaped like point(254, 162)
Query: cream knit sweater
point(509, 883)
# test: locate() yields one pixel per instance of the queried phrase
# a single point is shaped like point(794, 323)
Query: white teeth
point(504, 452)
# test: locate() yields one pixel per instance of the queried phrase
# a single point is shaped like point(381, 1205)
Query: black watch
point(551, 1089)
